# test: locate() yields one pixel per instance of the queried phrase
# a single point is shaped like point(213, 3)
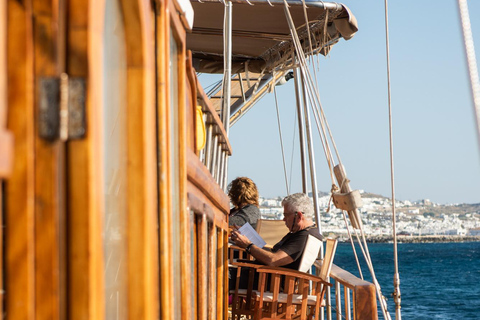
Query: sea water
point(437, 280)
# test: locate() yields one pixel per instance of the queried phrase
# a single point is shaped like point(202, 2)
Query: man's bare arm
point(273, 259)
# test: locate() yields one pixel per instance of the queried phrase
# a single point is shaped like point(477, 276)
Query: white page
point(252, 235)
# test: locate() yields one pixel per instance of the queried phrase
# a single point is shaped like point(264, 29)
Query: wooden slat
point(199, 175)
point(201, 204)
point(194, 270)
point(185, 116)
point(338, 300)
point(19, 199)
point(6, 138)
point(220, 273)
point(85, 249)
point(49, 176)
point(5, 159)
point(191, 104)
point(212, 266)
point(6, 151)
point(2, 270)
point(346, 294)
point(225, 293)
point(3, 65)
point(166, 288)
point(202, 270)
point(142, 194)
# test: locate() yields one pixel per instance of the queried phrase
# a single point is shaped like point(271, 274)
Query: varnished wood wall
point(53, 194)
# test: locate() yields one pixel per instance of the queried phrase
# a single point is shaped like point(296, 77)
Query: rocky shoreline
point(422, 239)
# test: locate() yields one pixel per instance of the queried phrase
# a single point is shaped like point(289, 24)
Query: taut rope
point(281, 139)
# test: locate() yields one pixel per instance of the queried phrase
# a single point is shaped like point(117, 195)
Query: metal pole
point(227, 62)
point(208, 149)
point(311, 156)
point(396, 277)
point(225, 181)
point(301, 129)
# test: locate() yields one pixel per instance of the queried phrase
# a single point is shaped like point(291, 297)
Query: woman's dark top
point(249, 213)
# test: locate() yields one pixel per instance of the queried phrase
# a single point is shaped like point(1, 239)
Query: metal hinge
point(61, 108)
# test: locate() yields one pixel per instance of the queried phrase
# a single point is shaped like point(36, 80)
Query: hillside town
point(419, 218)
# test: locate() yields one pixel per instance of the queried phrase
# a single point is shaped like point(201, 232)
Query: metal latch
point(61, 108)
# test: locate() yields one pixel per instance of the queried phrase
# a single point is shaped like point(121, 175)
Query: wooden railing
point(208, 206)
point(217, 148)
point(353, 297)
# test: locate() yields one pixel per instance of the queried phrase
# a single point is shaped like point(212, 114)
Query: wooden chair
point(244, 299)
point(290, 294)
point(272, 231)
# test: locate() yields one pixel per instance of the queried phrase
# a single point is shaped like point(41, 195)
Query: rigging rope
point(293, 144)
point(313, 94)
point(309, 83)
point(353, 245)
point(281, 139)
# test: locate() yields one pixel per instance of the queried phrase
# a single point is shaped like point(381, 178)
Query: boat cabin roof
point(261, 39)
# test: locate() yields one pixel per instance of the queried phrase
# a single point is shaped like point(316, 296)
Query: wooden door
point(34, 192)
point(112, 171)
point(81, 213)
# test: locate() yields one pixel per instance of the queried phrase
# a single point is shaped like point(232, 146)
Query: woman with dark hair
point(243, 194)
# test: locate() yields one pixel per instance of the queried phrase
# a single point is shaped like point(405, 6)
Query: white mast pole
point(227, 63)
point(227, 80)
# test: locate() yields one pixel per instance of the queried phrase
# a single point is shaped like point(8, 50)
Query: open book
point(252, 235)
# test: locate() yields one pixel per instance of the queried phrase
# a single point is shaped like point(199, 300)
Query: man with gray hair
point(297, 214)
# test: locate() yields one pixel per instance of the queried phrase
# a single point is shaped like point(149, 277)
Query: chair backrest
point(310, 253)
point(328, 258)
point(272, 231)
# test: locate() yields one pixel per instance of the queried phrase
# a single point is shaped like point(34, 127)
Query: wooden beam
point(85, 203)
point(6, 138)
point(165, 248)
point(199, 175)
point(143, 292)
point(19, 191)
point(49, 175)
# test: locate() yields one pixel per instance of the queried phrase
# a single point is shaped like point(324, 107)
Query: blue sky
point(436, 152)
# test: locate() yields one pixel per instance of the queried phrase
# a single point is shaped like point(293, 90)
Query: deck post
point(227, 63)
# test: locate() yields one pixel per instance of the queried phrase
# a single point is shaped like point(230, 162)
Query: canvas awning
point(260, 35)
